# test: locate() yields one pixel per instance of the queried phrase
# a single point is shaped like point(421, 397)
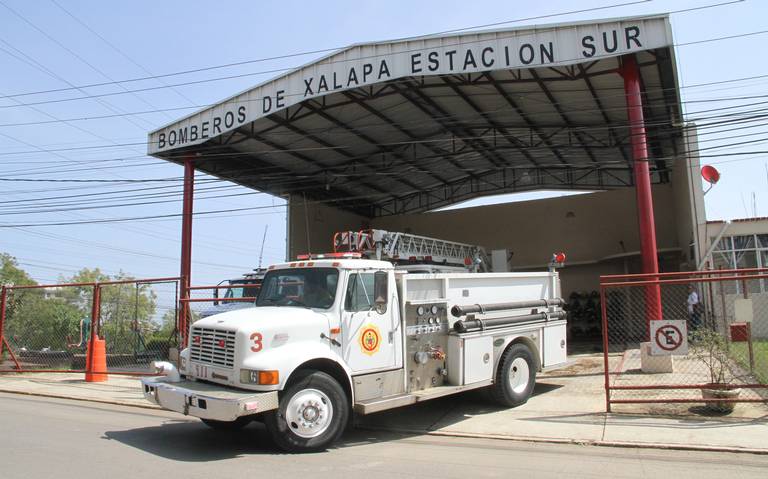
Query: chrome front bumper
point(207, 401)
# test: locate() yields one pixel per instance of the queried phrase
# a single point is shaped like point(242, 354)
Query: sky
point(54, 44)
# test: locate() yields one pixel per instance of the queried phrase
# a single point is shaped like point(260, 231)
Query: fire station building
point(386, 135)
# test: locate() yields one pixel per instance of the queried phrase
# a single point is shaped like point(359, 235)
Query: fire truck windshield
point(309, 288)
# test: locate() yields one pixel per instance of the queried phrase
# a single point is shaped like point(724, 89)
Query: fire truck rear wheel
point(313, 413)
point(238, 423)
point(515, 376)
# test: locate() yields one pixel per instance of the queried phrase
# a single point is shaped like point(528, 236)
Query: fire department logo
point(370, 340)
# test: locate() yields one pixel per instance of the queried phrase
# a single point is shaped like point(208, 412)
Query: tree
point(10, 273)
point(35, 318)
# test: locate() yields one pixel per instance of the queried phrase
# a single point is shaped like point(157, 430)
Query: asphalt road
point(53, 438)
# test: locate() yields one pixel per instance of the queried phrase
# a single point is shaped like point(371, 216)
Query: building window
point(741, 252)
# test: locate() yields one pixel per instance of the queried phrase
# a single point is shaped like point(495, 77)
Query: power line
point(118, 50)
point(326, 50)
point(279, 70)
point(95, 147)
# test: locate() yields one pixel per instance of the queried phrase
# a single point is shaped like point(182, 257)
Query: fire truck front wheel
point(313, 413)
point(515, 376)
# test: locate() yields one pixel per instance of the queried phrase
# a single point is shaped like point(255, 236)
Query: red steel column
point(631, 74)
point(186, 246)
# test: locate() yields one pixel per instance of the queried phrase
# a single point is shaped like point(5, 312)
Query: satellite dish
point(710, 175)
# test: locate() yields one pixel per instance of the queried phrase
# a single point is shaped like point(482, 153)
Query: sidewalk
point(567, 407)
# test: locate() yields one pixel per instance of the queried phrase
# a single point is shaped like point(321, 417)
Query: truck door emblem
point(370, 340)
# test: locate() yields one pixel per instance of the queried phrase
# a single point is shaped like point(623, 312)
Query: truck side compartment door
point(368, 340)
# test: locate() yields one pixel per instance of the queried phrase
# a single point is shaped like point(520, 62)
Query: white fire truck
point(387, 320)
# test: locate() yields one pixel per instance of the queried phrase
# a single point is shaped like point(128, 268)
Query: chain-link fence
point(206, 301)
point(686, 337)
point(48, 327)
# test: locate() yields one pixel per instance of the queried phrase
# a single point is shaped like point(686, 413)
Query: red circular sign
point(669, 337)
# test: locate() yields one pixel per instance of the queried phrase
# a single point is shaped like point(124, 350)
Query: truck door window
point(359, 292)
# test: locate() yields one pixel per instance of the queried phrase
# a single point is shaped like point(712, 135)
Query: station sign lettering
point(366, 65)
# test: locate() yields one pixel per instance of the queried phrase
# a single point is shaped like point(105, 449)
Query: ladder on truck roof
point(410, 248)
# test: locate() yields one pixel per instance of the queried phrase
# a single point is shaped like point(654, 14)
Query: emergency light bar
point(304, 257)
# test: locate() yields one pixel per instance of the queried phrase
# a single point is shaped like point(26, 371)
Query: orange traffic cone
point(96, 360)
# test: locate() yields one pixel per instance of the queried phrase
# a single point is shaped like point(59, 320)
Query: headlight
point(250, 376)
point(182, 363)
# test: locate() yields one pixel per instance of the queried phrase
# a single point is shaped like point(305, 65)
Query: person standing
point(85, 331)
point(694, 308)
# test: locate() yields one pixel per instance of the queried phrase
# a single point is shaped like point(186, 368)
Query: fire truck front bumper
point(207, 401)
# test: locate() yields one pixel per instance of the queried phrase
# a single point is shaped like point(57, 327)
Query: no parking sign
point(669, 337)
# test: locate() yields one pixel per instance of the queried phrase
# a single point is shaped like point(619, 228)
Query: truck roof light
point(329, 255)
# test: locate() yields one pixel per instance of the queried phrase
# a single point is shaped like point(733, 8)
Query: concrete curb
point(545, 440)
point(581, 442)
point(75, 398)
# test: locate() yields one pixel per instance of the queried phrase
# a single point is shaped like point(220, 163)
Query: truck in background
point(354, 331)
point(230, 298)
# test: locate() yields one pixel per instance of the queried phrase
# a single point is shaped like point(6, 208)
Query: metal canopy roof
point(412, 125)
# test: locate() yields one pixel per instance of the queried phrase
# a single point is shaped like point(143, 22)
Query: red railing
point(624, 330)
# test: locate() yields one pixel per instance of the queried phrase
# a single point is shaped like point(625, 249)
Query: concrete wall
point(323, 222)
point(598, 231)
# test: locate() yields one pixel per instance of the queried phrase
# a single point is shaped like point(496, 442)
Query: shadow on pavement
point(191, 441)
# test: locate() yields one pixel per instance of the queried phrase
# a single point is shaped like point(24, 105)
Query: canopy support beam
point(631, 74)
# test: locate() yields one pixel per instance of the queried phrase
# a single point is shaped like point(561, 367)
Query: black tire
point(316, 396)
point(238, 423)
point(513, 386)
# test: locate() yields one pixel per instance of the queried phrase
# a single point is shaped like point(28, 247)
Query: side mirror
point(381, 291)
point(216, 293)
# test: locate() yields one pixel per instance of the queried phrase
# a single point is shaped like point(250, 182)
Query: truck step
point(390, 402)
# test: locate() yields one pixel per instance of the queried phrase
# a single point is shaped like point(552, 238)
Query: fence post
point(603, 310)
point(3, 295)
point(95, 310)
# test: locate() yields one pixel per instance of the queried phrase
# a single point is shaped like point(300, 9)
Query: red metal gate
point(725, 316)
point(49, 328)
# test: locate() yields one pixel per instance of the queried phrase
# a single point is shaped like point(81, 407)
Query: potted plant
point(711, 349)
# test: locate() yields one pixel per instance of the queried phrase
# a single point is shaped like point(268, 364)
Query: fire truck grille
point(213, 346)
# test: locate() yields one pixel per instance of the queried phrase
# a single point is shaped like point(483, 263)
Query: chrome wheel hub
point(518, 375)
point(309, 413)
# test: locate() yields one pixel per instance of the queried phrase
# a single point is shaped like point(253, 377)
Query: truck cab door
point(370, 322)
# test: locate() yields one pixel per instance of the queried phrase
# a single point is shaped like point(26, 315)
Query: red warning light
point(559, 257)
